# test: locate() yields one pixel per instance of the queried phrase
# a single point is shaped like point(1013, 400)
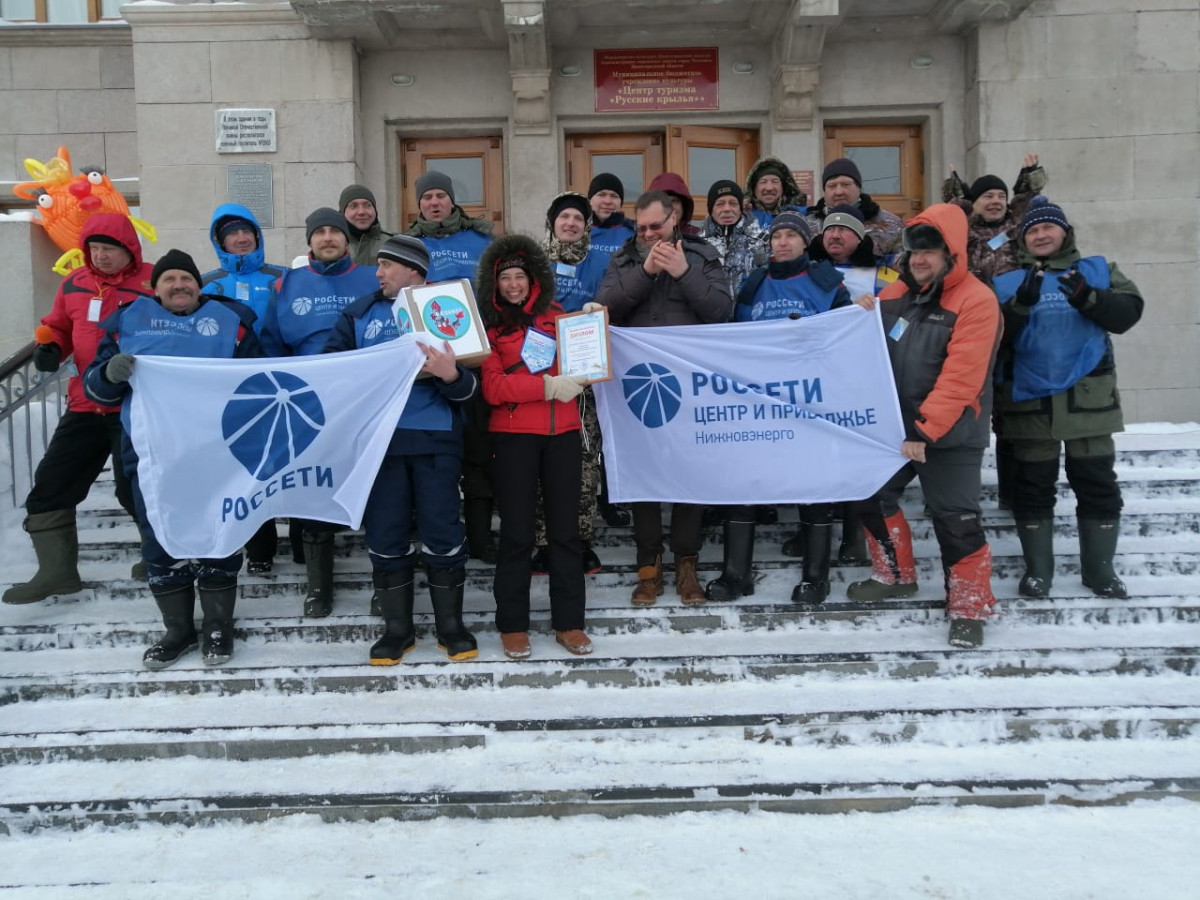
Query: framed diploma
point(583, 345)
point(447, 311)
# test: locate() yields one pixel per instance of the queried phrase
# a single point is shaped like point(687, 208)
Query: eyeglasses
point(658, 226)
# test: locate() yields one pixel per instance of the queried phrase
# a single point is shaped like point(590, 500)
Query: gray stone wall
point(1110, 98)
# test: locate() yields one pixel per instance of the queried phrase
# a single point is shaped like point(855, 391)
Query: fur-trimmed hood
point(791, 190)
point(541, 276)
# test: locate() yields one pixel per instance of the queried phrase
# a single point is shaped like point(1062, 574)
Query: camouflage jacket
point(992, 246)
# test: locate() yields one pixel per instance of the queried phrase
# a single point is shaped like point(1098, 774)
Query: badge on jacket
point(538, 351)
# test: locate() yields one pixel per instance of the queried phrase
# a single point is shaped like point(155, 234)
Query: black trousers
point(80, 446)
point(521, 461)
point(1091, 472)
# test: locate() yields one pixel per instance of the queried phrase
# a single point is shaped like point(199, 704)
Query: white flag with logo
point(226, 444)
point(782, 411)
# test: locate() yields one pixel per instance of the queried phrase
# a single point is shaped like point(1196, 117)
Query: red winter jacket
point(75, 323)
point(518, 396)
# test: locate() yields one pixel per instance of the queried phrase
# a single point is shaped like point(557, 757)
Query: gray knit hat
point(356, 192)
point(406, 250)
point(434, 180)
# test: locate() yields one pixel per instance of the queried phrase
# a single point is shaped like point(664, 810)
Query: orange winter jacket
point(942, 341)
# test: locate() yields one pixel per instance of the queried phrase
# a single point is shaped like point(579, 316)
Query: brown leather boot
point(687, 586)
point(650, 584)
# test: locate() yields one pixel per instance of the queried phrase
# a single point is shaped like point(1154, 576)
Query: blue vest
point(146, 329)
point(778, 298)
point(253, 289)
point(310, 300)
point(426, 409)
point(1059, 345)
point(456, 256)
point(576, 285)
point(608, 240)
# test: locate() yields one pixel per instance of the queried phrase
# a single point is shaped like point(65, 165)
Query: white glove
point(563, 388)
point(592, 306)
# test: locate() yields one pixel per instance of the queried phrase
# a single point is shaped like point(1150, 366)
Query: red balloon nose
point(90, 204)
point(80, 188)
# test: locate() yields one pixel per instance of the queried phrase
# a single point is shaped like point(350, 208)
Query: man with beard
point(943, 327)
point(772, 190)
point(177, 321)
point(307, 304)
point(841, 183)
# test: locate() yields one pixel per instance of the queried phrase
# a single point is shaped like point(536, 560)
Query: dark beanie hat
point(794, 221)
point(356, 192)
point(174, 259)
point(606, 181)
point(406, 250)
point(1042, 210)
point(724, 188)
point(105, 239)
point(230, 224)
point(435, 181)
point(985, 183)
point(923, 236)
point(848, 216)
point(841, 166)
point(567, 200)
point(319, 218)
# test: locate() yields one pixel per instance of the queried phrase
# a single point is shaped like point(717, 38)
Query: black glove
point(47, 357)
point(1030, 291)
point(119, 368)
point(1075, 288)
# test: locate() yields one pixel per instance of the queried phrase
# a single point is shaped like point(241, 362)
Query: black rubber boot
point(446, 592)
point(296, 539)
point(814, 580)
point(1097, 546)
point(177, 603)
point(736, 578)
point(395, 593)
point(966, 634)
point(56, 545)
point(853, 548)
point(1037, 546)
point(318, 558)
point(217, 600)
point(477, 516)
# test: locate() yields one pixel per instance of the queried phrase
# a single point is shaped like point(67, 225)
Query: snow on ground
point(1142, 851)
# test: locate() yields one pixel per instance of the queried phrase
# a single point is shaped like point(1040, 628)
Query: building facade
point(520, 99)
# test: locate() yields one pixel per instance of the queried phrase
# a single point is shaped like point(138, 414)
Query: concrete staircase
point(756, 704)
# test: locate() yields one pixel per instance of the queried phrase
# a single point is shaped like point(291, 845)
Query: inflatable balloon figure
point(64, 203)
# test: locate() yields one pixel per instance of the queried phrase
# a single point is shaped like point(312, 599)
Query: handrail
point(21, 387)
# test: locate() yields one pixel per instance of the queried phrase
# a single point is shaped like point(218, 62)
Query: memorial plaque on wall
point(245, 130)
point(251, 187)
point(666, 79)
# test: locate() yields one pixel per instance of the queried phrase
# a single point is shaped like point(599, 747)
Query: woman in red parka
point(535, 426)
point(87, 434)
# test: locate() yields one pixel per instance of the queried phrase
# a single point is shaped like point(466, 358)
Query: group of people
point(992, 318)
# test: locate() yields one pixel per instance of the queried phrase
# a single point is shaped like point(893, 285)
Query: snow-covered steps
point(756, 704)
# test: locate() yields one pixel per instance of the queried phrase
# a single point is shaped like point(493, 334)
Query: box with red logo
point(447, 311)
